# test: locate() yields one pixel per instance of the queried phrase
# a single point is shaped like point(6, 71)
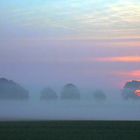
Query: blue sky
point(73, 19)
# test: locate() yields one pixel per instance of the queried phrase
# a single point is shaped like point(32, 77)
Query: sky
point(91, 43)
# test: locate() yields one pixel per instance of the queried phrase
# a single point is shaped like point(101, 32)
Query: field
point(70, 130)
point(38, 120)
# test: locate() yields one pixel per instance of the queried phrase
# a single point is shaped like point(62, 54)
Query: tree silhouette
point(99, 95)
point(130, 90)
point(70, 91)
point(11, 90)
point(48, 94)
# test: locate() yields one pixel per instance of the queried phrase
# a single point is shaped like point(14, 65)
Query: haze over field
point(94, 44)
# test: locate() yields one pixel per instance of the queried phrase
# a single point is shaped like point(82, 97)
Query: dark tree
point(99, 95)
point(48, 94)
point(131, 89)
point(11, 90)
point(70, 91)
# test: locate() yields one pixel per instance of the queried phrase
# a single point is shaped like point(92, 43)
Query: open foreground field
point(70, 130)
point(69, 120)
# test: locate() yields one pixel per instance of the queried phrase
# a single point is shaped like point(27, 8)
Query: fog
point(94, 44)
point(87, 108)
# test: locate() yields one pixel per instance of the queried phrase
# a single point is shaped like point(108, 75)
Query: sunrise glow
point(137, 92)
point(70, 40)
point(126, 59)
point(129, 74)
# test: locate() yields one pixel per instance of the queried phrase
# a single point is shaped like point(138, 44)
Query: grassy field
point(70, 130)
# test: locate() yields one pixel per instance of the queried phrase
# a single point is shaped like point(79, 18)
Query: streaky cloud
point(123, 59)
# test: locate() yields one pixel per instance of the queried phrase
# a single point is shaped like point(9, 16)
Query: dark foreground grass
point(70, 130)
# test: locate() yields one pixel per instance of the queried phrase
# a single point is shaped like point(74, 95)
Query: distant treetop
point(131, 90)
point(48, 94)
point(11, 90)
point(99, 95)
point(70, 91)
point(132, 84)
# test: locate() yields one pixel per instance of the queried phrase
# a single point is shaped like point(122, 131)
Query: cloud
point(129, 74)
point(85, 19)
point(123, 59)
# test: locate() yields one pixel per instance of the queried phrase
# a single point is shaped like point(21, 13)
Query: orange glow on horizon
point(126, 59)
point(132, 74)
point(137, 92)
